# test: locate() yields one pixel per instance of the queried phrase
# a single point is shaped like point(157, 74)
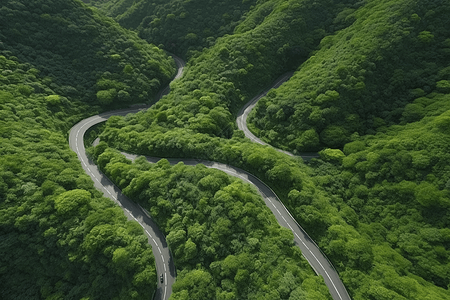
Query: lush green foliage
point(226, 243)
point(221, 79)
point(362, 78)
point(59, 238)
point(87, 56)
point(398, 182)
point(394, 187)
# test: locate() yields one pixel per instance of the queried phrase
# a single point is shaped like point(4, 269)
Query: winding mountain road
point(163, 258)
point(241, 119)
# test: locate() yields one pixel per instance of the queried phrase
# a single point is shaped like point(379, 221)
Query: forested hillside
point(397, 186)
point(365, 205)
point(222, 78)
point(59, 238)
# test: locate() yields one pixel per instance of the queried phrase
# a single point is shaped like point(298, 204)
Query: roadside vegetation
point(397, 188)
point(226, 242)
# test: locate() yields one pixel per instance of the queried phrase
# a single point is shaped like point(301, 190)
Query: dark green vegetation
point(179, 26)
point(73, 47)
point(226, 243)
point(59, 238)
point(364, 77)
point(380, 208)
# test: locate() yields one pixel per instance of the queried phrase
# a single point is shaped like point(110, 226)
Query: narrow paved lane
point(163, 259)
point(321, 265)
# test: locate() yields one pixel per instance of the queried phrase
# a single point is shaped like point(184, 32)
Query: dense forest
point(370, 92)
point(59, 238)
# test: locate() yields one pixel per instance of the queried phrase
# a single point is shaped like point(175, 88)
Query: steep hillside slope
point(59, 238)
point(379, 208)
point(178, 26)
point(222, 78)
point(88, 56)
point(362, 78)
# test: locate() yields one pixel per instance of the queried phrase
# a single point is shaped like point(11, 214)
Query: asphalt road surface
point(163, 257)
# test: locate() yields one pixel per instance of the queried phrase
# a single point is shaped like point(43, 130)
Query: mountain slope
point(178, 26)
point(87, 55)
point(362, 78)
point(379, 208)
